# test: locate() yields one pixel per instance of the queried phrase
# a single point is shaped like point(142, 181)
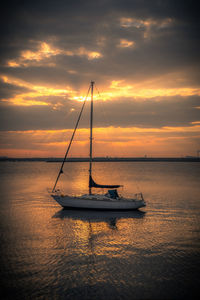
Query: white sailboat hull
point(98, 202)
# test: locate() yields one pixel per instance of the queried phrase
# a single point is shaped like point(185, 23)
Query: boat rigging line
point(72, 137)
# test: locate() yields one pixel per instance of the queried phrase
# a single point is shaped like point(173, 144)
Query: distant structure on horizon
point(106, 159)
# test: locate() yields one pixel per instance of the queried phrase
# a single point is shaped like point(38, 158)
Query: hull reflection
point(110, 217)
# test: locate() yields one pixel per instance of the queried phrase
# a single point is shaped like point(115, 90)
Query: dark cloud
point(8, 90)
point(169, 43)
point(72, 24)
point(174, 111)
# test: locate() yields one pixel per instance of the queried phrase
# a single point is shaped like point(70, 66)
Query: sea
point(51, 253)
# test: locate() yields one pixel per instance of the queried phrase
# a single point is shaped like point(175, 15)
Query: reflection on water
point(51, 253)
point(109, 217)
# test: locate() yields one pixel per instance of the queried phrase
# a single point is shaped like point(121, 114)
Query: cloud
point(143, 55)
point(125, 112)
point(164, 35)
point(132, 141)
point(8, 90)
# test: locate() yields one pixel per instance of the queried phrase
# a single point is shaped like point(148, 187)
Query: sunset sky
point(143, 56)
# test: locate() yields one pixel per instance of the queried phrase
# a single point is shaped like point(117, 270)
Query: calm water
point(50, 253)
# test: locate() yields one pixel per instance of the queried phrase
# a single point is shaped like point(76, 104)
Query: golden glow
point(17, 82)
point(72, 72)
point(45, 51)
point(82, 51)
point(4, 79)
point(109, 141)
point(28, 98)
point(126, 22)
point(46, 91)
point(126, 44)
point(94, 55)
point(196, 122)
point(111, 130)
point(118, 85)
point(149, 93)
point(157, 87)
point(13, 64)
point(145, 24)
point(81, 98)
point(138, 23)
point(27, 56)
point(21, 100)
point(118, 88)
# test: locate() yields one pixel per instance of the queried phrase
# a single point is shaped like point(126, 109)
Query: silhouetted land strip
point(108, 159)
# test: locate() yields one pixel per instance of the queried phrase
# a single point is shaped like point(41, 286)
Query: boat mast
point(91, 127)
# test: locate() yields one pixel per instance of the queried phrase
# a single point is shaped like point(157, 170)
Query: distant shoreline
point(106, 159)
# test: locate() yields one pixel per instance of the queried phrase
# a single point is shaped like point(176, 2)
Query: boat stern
point(139, 197)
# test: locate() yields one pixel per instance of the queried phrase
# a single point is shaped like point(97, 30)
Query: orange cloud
point(110, 141)
point(156, 87)
point(145, 24)
point(126, 43)
point(28, 99)
point(119, 88)
point(45, 51)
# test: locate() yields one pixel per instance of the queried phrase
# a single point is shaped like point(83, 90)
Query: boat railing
point(139, 196)
point(55, 192)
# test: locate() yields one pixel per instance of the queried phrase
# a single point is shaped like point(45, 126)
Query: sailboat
point(111, 200)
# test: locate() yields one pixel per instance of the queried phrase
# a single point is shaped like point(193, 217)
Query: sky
point(143, 56)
